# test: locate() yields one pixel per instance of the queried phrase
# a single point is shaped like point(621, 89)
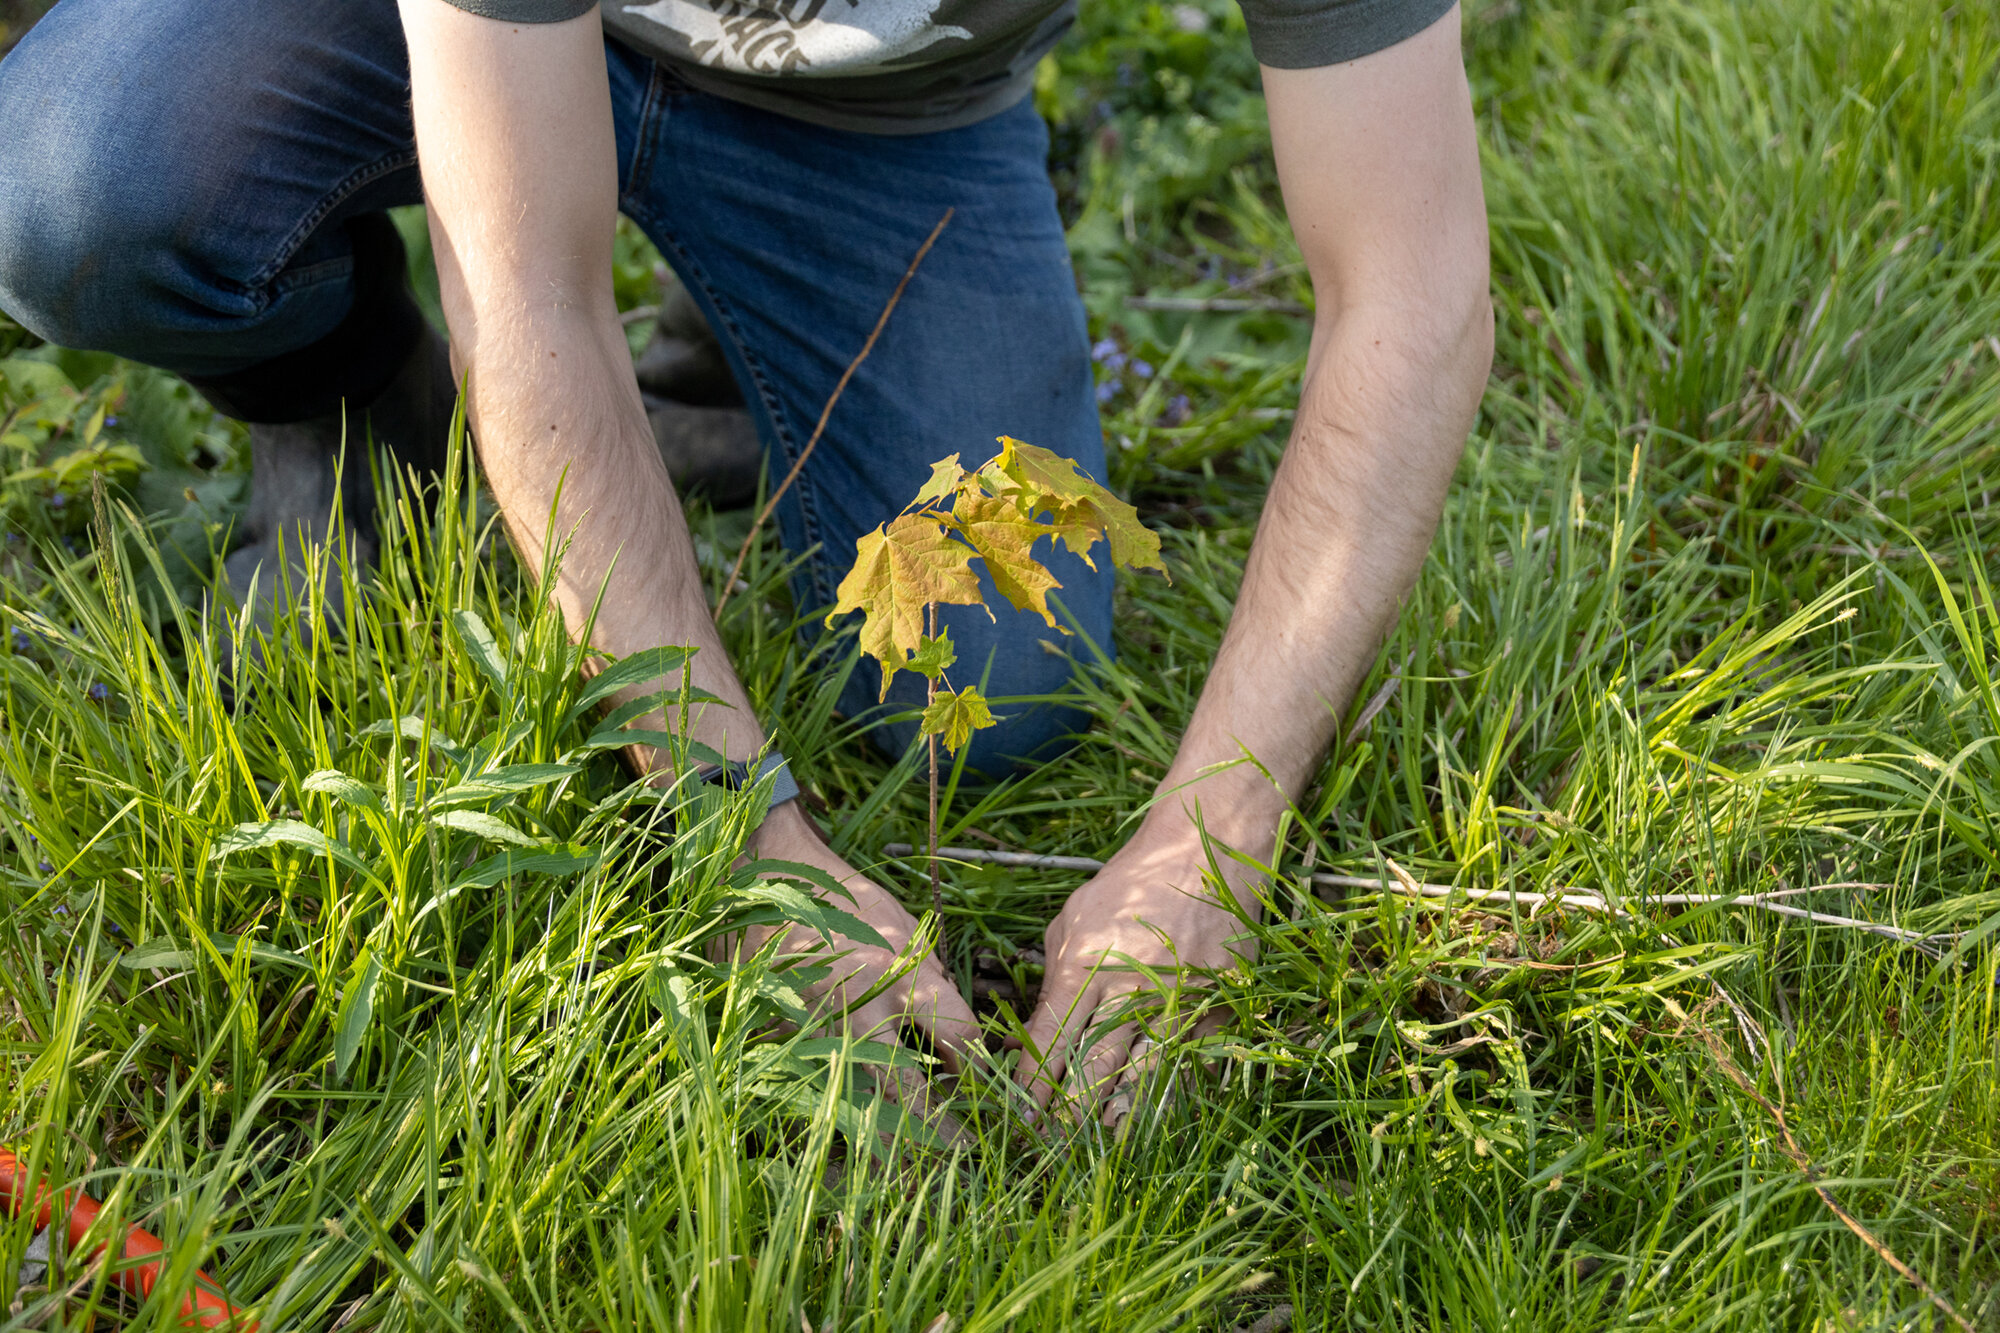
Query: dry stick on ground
point(812, 441)
point(1588, 900)
point(1720, 1055)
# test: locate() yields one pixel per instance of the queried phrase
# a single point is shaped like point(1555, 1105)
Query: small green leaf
point(933, 657)
point(479, 645)
point(955, 714)
point(357, 1010)
point(332, 782)
point(483, 826)
point(946, 475)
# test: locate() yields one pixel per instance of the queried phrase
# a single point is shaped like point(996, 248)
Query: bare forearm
point(1350, 516)
point(1379, 162)
point(561, 432)
point(514, 128)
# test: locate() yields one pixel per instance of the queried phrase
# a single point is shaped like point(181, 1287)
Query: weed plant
point(373, 987)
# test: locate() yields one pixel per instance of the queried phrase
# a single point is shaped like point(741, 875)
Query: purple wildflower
point(111, 421)
point(58, 501)
point(45, 866)
point(98, 691)
point(22, 641)
point(1103, 349)
point(1178, 410)
point(1143, 369)
point(1107, 390)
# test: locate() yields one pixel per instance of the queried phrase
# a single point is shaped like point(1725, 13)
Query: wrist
point(787, 834)
point(1236, 806)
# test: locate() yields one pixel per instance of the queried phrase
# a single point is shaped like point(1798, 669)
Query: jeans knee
point(66, 241)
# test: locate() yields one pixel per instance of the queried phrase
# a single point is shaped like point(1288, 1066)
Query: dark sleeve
point(526, 11)
point(1304, 34)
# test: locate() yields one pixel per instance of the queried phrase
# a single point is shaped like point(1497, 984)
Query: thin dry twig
point(1720, 1054)
point(812, 441)
point(1587, 900)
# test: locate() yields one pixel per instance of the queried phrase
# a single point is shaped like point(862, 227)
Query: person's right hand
point(923, 996)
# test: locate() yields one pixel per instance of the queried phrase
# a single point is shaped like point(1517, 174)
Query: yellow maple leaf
point(1038, 479)
point(955, 714)
point(1004, 537)
point(898, 570)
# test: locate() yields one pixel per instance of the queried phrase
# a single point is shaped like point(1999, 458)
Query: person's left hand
point(1153, 908)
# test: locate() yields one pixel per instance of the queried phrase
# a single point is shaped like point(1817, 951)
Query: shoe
point(306, 475)
point(684, 362)
point(712, 452)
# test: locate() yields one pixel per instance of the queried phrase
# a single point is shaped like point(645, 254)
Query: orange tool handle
point(205, 1308)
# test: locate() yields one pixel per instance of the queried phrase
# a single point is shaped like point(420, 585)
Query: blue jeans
point(175, 176)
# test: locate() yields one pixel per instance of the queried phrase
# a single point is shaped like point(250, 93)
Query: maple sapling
point(996, 512)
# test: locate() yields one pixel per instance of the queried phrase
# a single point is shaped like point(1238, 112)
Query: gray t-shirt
point(911, 66)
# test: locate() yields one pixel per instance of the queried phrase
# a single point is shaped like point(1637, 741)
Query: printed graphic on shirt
point(800, 37)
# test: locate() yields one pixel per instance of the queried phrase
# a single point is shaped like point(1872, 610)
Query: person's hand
point(1155, 907)
point(922, 997)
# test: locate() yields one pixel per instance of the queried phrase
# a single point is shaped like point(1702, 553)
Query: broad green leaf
point(165, 954)
point(479, 645)
point(483, 826)
point(933, 657)
point(332, 782)
point(508, 781)
point(558, 860)
point(855, 1052)
point(357, 1009)
point(955, 714)
point(1004, 535)
point(946, 477)
point(418, 730)
point(640, 667)
point(898, 571)
point(795, 904)
point(285, 832)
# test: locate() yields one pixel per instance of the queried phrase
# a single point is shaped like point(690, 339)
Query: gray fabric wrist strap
point(736, 776)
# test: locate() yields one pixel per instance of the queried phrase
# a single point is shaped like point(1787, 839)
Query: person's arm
point(520, 173)
point(1380, 168)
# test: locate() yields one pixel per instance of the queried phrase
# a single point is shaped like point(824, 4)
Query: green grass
point(1711, 610)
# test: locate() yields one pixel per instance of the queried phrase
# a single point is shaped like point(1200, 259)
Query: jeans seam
point(333, 199)
point(642, 154)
